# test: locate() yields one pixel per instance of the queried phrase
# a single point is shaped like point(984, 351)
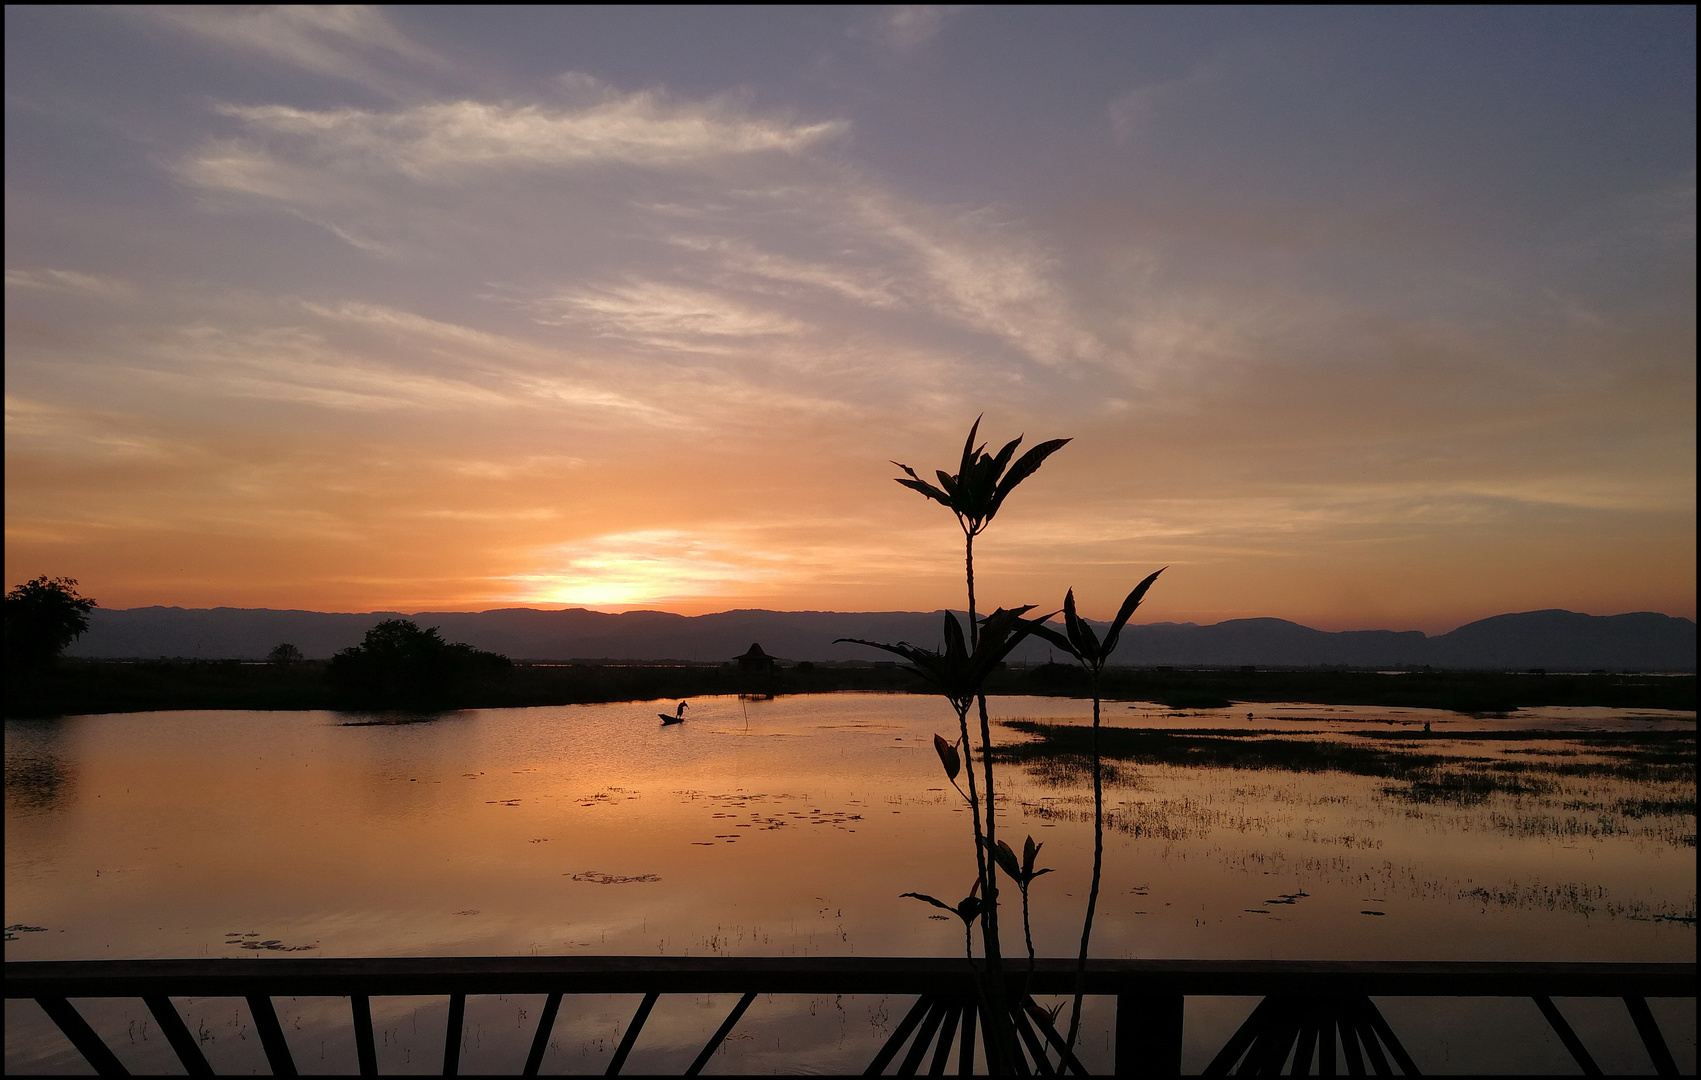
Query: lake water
point(790, 827)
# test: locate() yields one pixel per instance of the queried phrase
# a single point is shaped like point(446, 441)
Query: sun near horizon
point(1369, 319)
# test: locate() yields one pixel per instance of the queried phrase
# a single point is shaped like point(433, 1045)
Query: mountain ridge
point(1553, 638)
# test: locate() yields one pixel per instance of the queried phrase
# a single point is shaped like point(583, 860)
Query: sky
point(1365, 318)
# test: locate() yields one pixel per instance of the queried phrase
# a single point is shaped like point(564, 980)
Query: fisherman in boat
point(678, 715)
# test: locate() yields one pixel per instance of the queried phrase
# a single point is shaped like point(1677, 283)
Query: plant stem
point(989, 883)
point(974, 810)
point(1002, 1051)
point(1098, 866)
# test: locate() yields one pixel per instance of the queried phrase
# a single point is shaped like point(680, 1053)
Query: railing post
point(1148, 1034)
point(452, 1034)
point(82, 1036)
point(364, 1049)
point(177, 1033)
point(1651, 1037)
point(271, 1035)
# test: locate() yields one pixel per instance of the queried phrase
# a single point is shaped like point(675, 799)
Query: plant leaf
point(1122, 616)
point(1054, 638)
point(1003, 459)
point(931, 900)
point(956, 649)
point(926, 489)
point(1004, 857)
point(948, 757)
point(1086, 642)
point(1025, 467)
point(968, 446)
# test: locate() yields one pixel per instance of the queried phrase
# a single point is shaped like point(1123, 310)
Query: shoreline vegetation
point(74, 687)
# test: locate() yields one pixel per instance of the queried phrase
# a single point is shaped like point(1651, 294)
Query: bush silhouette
point(398, 665)
point(42, 618)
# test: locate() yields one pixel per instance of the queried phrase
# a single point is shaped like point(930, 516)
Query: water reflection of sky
point(789, 827)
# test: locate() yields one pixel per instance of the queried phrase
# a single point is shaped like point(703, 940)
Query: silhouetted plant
point(284, 655)
point(1022, 872)
point(959, 673)
point(43, 616)
point(1079, 641)
point(969, 910)
point(975, 493)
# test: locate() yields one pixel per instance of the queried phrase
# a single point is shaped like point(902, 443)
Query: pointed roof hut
point(754, 659)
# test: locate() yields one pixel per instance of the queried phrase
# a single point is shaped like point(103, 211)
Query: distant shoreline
point(84, 687)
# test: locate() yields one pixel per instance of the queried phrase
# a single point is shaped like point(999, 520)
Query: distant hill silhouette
point(1555, 640)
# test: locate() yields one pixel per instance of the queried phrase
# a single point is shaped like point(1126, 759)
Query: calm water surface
point(789, 827)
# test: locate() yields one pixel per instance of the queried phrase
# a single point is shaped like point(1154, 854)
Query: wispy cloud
point(444, 141)
point(339, 40)
point(907, 27)
point(70, 281)
point(655, 313)
point(736, 258)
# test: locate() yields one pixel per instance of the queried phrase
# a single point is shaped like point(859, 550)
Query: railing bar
point(1349, 1043)
point(631, 1037)
point(1280, 1042)
point(1066, 1058)
point(1018, 1066)
point(82, 1036)
point(923, 1038)
point(1306, 1047)
point(947, 1032)
point(966, 1045)
point(893, 1043)
point(1240, 1040)
point(1036, 1049)
point(1557, 1022)
point(452, 1034)
point(271, 1035)
point(361, 1006)
point(177, 1034)
point(720, 1035)
point(1392, 1041)
point(1651, 1037)
point(1018, 1062)
point(540, 1041)
point(1367, 1032)
point(1275, 1038)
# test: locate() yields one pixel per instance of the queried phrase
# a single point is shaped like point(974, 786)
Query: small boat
point(677, 717)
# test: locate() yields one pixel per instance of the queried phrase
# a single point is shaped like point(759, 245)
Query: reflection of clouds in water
point(38, 777)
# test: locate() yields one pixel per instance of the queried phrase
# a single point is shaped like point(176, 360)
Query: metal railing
point(1310, 1010)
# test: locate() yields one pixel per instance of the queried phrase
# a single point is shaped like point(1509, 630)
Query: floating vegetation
point(250, 941)
point(597, 877)
point(1438, 770)
point(15, 929)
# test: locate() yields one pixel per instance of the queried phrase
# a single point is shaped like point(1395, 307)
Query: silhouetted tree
point(43, 617)
point(400, 665)
point(284, 655)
